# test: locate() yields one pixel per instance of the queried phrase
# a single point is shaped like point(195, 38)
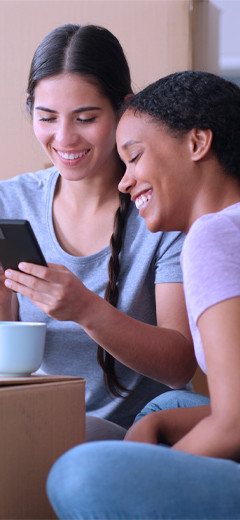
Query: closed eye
point(135, 158)
point(47, 119)
point(89, 120)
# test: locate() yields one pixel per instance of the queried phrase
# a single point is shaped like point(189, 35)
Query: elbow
point(232, 434)
point(179, 386)
point(227, 429)
point(185, 375)
point(185, 364)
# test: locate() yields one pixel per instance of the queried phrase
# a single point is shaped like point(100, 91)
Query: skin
point(83, 122)
point(85, 202)
point(8, 301)
point(184, 181)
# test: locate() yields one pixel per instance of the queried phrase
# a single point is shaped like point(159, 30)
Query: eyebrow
point(129, 143)
point(76, 111)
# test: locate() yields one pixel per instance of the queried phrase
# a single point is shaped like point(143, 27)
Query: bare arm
point(215, 431)
point(218, 435)
point(163, 352)
point(166, 426)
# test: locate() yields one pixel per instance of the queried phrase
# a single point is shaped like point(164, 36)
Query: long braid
point(94, 52)
point(106, 360)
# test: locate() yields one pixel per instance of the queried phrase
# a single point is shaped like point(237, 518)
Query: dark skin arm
point(209, 431)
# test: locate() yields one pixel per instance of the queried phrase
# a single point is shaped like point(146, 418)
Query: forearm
point(160, 353)
point(8, 314)
point(193, 430)
point(9, 308)
point(166, 426)
point(211, 438)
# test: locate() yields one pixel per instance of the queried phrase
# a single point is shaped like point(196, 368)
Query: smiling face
point(158, 171)
point(76, 126)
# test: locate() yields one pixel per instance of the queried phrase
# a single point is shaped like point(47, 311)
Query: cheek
point(106, 134)
point(42, 134)
point(146, 170)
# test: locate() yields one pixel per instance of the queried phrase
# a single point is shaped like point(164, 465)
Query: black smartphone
point(18, 243)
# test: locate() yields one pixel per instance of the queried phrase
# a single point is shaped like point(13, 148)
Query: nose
point(66, 134)
point(127, 182)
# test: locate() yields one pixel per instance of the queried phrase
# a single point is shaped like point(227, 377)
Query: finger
point(21, 282)
point(46, 300)
point(17, 279)
point(36, 270)
point(35, 286)
point(50, 273)
point(31, 269)
point(38, 299)
point(32, 289)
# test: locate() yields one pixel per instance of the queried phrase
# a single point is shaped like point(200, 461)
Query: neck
point(215, 193)
point(92, 192)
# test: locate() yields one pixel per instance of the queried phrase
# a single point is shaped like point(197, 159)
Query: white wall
point(229, 36)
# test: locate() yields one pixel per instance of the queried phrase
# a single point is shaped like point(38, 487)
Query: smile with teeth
point(72, 156)
point(143, 199)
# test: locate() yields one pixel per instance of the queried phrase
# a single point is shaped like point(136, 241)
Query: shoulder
point(211, 251)
point(27, 185)
point(215, 232)
point(25, 194)
point(29, 179)
point(211, 260)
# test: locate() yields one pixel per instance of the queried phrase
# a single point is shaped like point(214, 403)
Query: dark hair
point(196, 99)
point(93, 52)
point(88, 50)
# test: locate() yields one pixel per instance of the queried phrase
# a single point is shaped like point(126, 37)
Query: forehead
point(131, 124)
point(74, 85)
point(138, 127)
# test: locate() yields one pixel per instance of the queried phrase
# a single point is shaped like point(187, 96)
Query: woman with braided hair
point(115, 303)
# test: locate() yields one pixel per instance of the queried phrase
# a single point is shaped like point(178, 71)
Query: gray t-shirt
point(145, 258)
point(211, 266)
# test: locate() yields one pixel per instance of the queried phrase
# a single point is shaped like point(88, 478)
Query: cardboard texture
point(41, 418)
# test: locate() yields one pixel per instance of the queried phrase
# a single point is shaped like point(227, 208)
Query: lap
point(112, 479)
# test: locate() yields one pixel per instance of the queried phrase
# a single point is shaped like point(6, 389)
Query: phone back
point(18, 244)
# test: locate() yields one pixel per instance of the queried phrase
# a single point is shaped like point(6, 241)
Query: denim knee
point(125, 480)
point(173, 399)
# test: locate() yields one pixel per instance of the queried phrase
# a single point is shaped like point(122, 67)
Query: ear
point(200, 143)
point(127, 98)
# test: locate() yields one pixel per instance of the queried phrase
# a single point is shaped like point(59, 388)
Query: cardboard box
point(41, 418)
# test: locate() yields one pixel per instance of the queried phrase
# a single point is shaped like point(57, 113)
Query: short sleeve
point(211, 262)
point(167, 265)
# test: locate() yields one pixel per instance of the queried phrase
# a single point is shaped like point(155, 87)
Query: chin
point(154, 227)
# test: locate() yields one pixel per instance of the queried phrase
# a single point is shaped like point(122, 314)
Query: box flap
point(36, 379)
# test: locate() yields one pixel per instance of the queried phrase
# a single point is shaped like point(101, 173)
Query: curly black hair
point(195, 99)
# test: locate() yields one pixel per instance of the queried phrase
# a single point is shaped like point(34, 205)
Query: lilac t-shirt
point(210, 262)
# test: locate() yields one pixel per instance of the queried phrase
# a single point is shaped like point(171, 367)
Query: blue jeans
point(117, 480)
